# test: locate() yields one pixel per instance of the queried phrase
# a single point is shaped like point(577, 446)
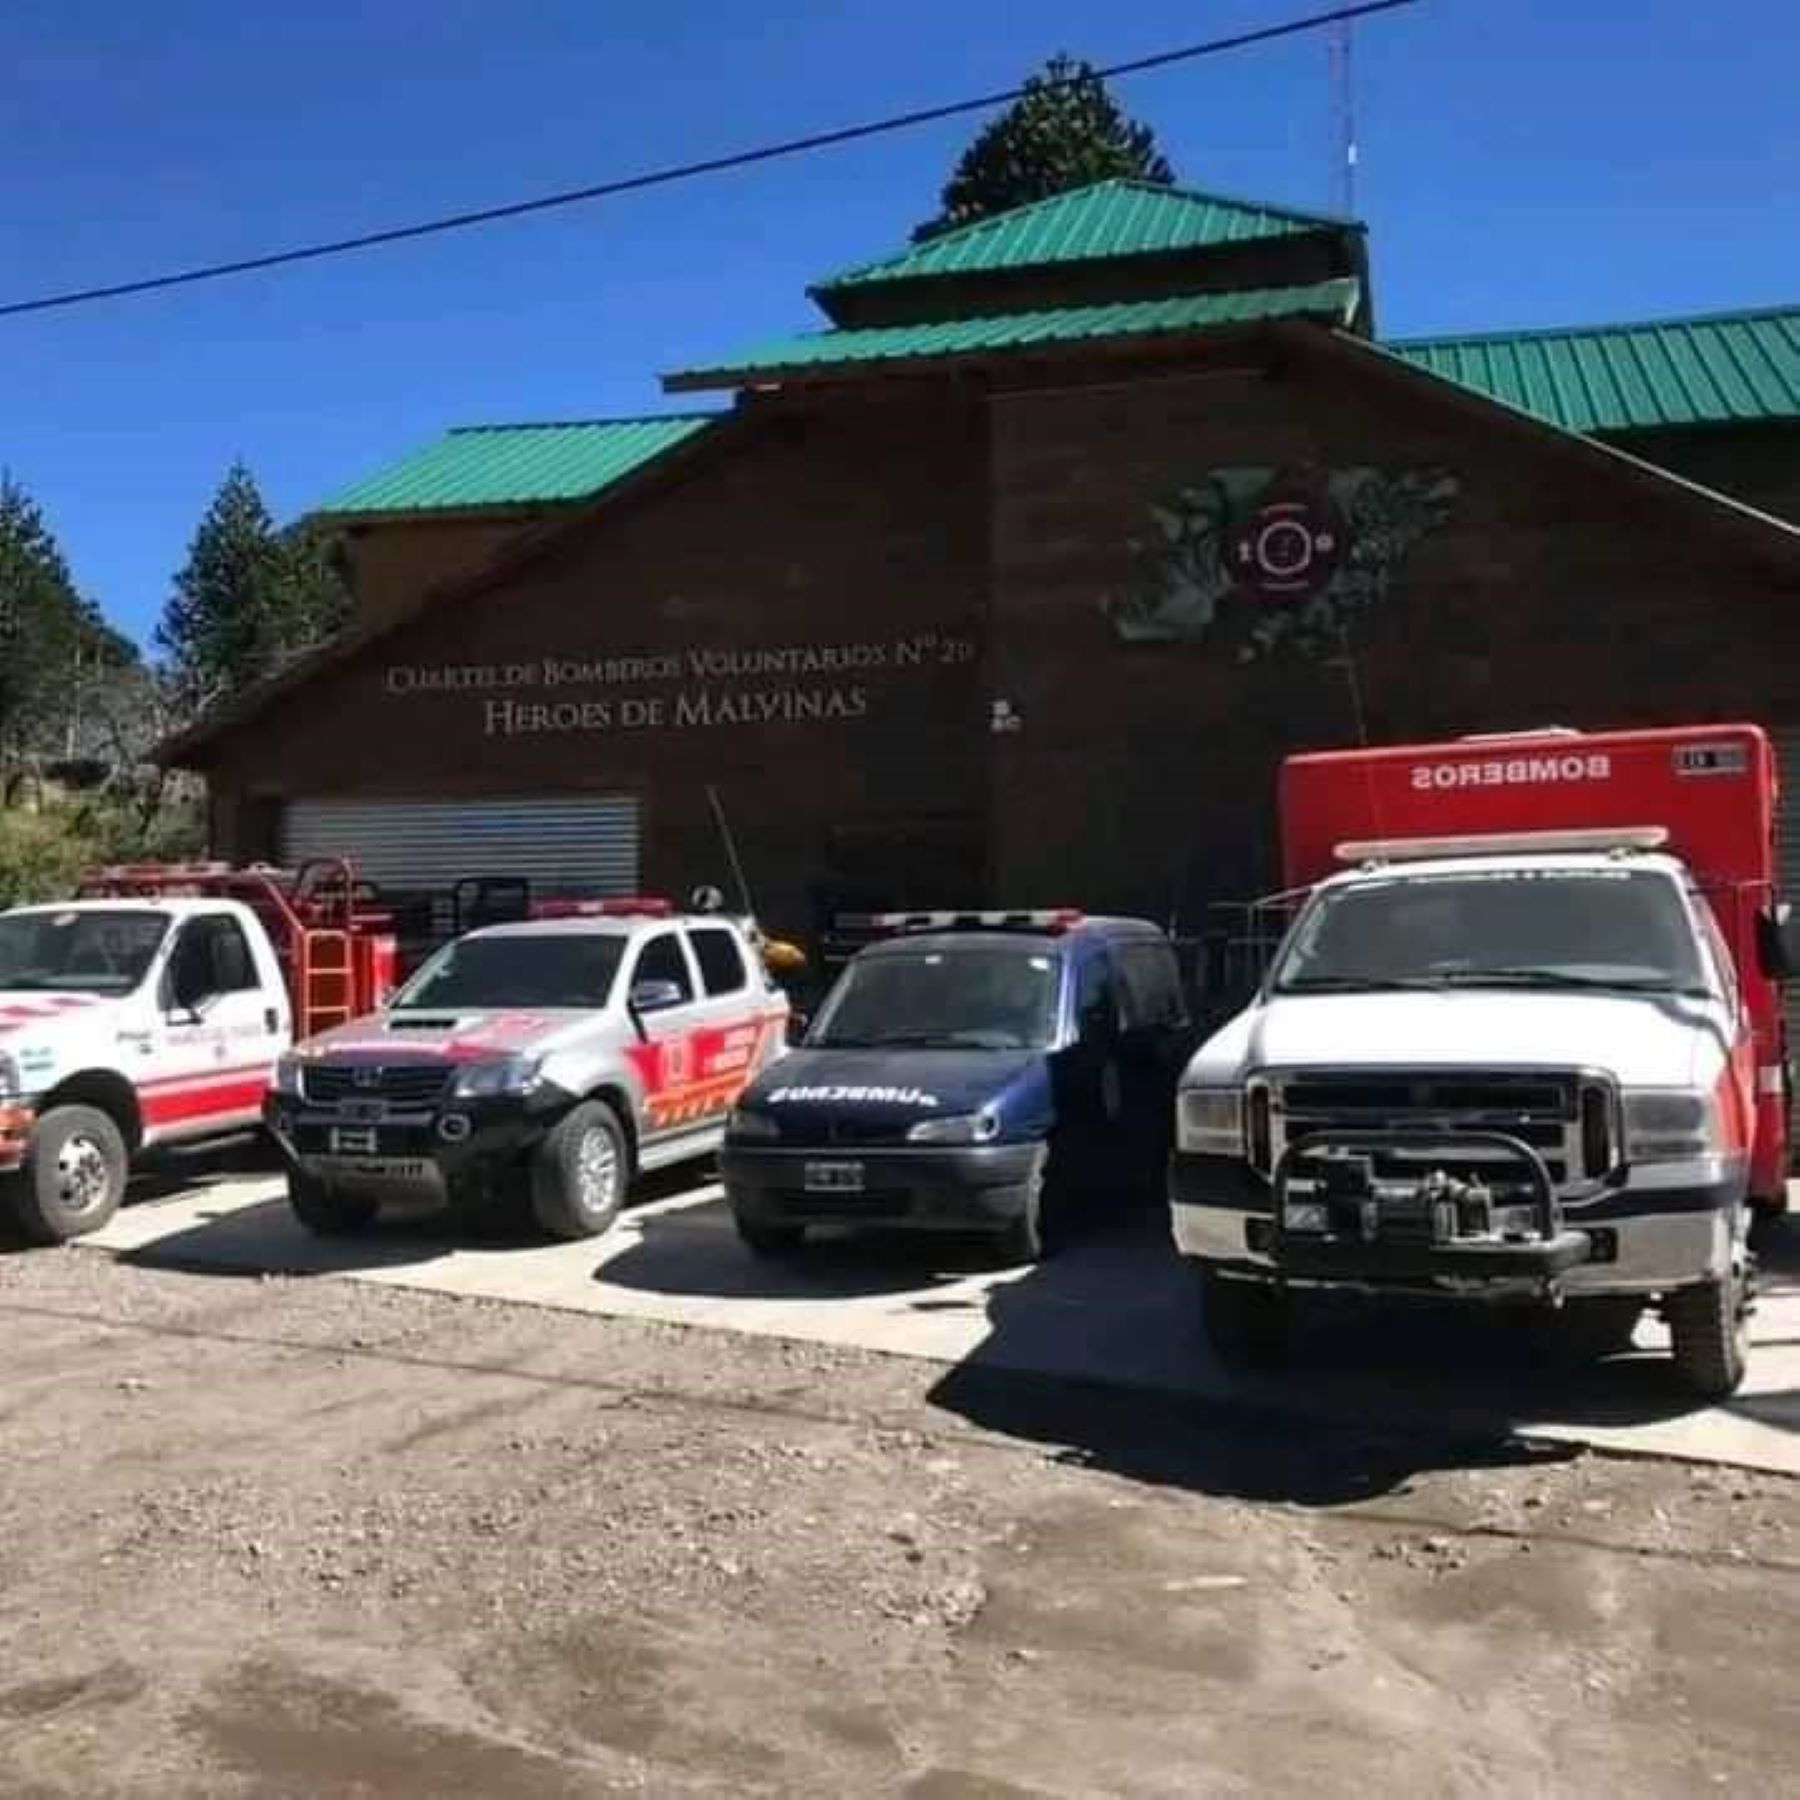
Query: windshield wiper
point(1527, 977)
point(1357, 984)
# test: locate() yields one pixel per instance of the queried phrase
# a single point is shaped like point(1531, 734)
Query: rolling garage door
point(585, 844)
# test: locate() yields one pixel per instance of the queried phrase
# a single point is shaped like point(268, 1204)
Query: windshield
point(573, 969)
point(988, 999)
point(1600, 928)
point(73, 952)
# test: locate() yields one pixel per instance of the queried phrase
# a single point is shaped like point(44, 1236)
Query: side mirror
point(655, 996)
point(1778, 942)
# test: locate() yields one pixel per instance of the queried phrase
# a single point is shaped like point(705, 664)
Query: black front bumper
point(1386, 1259)
point(938, 1188)
point(492, 1135)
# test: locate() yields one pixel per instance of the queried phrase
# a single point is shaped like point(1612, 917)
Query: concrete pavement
point(1116, 1310)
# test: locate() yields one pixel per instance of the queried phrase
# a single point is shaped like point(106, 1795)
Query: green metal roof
point(1109, 219)
point(1331, 300)
point(515, 465)
point(1727, 368)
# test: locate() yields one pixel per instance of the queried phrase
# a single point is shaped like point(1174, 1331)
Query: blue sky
point(1523, 162)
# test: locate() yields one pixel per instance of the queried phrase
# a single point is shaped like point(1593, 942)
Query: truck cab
point(1522, 1042)
point(150, 1011)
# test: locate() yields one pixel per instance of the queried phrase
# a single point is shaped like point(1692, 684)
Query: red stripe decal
point(196, 1078)
point(179, 1106)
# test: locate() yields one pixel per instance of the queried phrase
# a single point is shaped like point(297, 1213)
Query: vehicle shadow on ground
point(1122, 1378)
point(265, 1237)
point(695, 1250)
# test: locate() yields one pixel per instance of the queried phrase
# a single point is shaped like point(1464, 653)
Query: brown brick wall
point(392, 563)
point(850, 525)
point(1758, 464)
point(1143, 776)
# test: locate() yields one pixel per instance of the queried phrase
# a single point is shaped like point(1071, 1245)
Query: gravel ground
point(288, 1537)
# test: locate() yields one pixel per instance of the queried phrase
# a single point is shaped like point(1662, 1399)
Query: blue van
point(968, 1072)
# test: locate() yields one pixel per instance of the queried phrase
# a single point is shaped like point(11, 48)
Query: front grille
point(1540, 1109)
point(858, 1131)
point(396, 1084)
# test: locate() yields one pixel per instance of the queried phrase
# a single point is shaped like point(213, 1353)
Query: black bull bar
point(1434, 1248)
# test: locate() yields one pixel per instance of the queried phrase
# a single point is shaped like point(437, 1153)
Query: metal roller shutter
point(589, 844)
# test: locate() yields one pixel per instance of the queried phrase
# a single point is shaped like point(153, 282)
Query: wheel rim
point(597, 1170)
point(83, 1180)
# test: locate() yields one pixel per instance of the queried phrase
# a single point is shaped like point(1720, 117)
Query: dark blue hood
point(878, 1095)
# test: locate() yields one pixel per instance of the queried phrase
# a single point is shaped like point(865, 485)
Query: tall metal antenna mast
point(1343, 120)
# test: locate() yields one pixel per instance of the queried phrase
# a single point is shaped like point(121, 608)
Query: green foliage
point(53, 642)
point(249, 597)
point(1065, 131)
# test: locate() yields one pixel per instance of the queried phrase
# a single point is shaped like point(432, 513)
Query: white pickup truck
point(125, 1023)
point(151, 1010)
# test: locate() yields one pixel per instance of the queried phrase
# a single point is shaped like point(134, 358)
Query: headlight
point(959, 1128)
point(507, 1075)
point(751, 1127)
point(287, 1076)
point(1670, 1125)
point(1210, 1121)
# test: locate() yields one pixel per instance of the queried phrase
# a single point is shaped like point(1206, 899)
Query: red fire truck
point(1523, 1038)
point(151, 1009)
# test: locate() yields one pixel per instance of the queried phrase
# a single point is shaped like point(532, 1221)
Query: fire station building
point(1013, 580)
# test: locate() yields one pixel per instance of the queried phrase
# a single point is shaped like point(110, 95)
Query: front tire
point(579, 1173)
point(73, 1178)
point(326, 1211)
point(1247, 1322)
point(1710, 1326)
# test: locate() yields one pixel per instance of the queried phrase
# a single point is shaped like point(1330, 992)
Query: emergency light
point(1057, 918)
point(1507, 843)
point(636, 907)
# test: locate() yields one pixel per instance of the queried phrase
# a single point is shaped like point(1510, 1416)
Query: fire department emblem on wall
point(1269, 559)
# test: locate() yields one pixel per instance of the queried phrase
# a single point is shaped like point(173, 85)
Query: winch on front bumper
point(1392, 1209)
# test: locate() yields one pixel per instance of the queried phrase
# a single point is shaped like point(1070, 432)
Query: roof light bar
point(1502, 843)
point(1055, 918)
point(637, 906)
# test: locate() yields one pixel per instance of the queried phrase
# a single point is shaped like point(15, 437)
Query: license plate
point(408, 1170)
point(355, 1140)
point(833, 1177)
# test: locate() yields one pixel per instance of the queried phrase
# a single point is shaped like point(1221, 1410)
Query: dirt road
point(280, 1537)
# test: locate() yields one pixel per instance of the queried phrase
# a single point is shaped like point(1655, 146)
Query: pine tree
point(249, 598)
point(1065, 131)
point(46, 632)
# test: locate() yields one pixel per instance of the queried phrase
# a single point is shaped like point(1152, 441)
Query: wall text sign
point(680, 690)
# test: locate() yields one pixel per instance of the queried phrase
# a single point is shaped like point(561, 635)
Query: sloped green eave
point(1726, 368)
point(514, 465)
point(1332, 301)
point(1108, 219)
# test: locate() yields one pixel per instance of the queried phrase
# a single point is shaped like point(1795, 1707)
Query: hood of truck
point(878, 1089)
point(26, 1009)
point(451, 1036)
point(1643, 1040)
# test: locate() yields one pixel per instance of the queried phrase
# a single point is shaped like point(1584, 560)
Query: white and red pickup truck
point(151, 1010)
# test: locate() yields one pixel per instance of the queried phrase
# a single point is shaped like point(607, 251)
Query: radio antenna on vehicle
point(731, 854)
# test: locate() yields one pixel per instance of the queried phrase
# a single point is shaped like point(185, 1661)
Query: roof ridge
point(677, 417)
point(1161, 190)
point(1667, 321)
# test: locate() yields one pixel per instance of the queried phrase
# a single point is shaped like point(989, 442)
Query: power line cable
point(664, 177)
